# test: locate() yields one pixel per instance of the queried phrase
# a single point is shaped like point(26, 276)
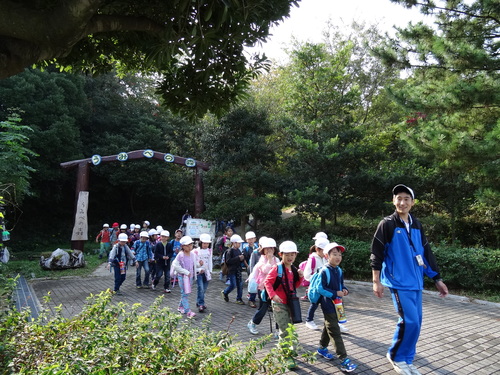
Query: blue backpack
point(315, 282)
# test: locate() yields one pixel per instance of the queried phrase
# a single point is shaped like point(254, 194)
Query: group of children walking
point(273, 277)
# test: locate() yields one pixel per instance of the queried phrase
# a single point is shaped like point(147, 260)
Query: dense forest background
point(327, 134)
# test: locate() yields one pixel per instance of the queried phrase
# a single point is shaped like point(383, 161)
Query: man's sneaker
point(224, 295)
point(119, 293)
point(181, 309)
point(347, 365)
point(153, 287)
point(290, 363)
point(252, 304)
point(312, 325)
point(252, 328)
point(324, 353)
point(139, 286)
point(190, 315)
point(413, 369)
point(240, 302)
point(400, 367)
point(166, 291)
point(343, 328)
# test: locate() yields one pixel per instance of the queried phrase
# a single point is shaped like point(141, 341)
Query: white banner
point(195, 227)
point(80, 230)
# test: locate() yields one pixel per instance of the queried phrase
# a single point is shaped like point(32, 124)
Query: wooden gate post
point(82, 184)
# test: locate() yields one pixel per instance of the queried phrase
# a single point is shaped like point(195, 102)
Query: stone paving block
point(458, 337)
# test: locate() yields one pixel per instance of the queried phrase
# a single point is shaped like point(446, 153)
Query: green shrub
point(356, 259)
point(474, 269)
point(108, 338)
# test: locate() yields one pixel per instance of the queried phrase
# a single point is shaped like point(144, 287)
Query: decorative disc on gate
point(96, 159)
point(148, 153)
point(122, 156)
point(190, 162)
point(169, 158)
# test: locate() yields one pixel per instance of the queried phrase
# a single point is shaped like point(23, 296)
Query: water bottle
point(186, 283)
point(5, 235)
point(339, 308)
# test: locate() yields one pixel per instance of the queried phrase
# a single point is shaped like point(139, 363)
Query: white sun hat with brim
point(250, 235)
point(321, 243)
point(267, 242)
point(288, 247)
point(122, 237)
point(205, 237)
point(165, 233)
point(333, 245)
point(186, 240)
point(320, 235)
point(144, 234)
point(236, 238)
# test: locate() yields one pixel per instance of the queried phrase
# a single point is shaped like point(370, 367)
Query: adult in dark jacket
point(233, 259)
point(163, 253)
point(400, 256)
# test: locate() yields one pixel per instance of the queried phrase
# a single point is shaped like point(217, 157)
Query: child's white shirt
point(204, 255)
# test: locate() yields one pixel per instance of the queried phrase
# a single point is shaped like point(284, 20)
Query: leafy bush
point(108, 338)
point(474, 269)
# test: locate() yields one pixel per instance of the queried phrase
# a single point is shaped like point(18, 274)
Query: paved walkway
point(458, 336)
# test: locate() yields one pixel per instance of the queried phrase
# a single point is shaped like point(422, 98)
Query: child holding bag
point(260, 271)
point(204, 270)
point(184, 265)
point(332, 286)
point(279, 290)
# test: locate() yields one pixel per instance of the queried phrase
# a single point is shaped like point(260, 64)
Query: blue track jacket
point(394, 251)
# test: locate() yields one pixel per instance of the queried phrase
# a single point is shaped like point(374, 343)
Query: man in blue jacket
point(400, 256)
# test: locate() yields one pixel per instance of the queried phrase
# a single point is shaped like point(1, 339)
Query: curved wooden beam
point(137, 154)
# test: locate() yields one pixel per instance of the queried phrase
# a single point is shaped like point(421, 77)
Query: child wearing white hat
point(184, 265)
point(204, 270)
point(233, 258)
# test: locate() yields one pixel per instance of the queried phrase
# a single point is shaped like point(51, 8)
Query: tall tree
point(196, 47)
point(240, 181)
point(15, 169)
point(452, 99)
point(330, 90)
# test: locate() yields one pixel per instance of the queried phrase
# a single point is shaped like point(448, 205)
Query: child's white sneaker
point(343, 328)
point(312, 325)
point(252, 328)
